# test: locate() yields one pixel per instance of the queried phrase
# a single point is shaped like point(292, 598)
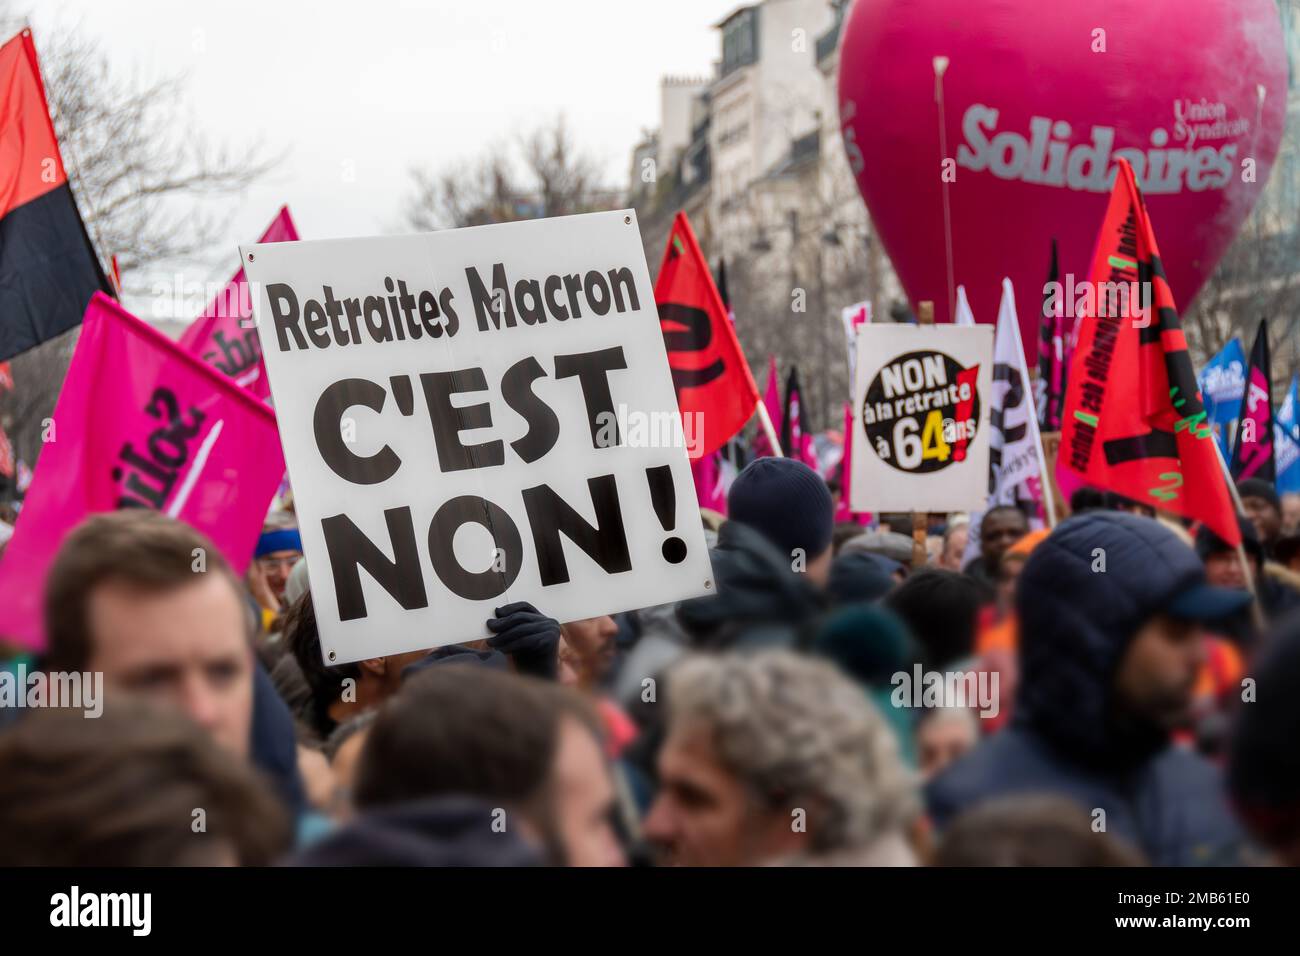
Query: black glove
point(529, 637)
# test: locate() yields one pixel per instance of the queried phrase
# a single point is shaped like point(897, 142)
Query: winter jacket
point(1067, 737)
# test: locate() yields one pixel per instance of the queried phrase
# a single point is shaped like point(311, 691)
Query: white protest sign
point(476, 417)
point(921, 418)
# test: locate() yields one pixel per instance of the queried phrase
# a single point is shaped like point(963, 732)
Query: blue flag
point(1222, 382)
point(1286, 440)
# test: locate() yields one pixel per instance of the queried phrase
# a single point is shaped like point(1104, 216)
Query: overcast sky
point(377, 86)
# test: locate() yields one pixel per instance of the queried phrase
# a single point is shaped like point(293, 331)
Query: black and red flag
point(795, 438)
point(1252, 452)
point(48, 268)
point(1049, 390)
point(1134, 422)
point(710, 374)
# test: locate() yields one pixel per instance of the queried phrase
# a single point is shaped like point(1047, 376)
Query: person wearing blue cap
point(1110, 607)
point(278, 550)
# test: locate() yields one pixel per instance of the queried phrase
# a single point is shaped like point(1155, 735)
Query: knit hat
point(1259, 488)
point(279, 539)
point(860, 577)
point(785, 501)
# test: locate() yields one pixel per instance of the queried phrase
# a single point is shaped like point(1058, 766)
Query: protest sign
point(921, 422)
point(139, 424)
point(476, 417)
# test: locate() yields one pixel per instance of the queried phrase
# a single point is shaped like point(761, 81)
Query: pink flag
point(772, 399)
point(708, 482)
point(842, 511)
point(140, 423)
point(219, 335)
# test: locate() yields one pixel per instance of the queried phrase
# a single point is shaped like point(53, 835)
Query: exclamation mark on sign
point(968, 377)
point(663, 495)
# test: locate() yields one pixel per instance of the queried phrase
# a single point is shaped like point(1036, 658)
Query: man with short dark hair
point(151, 603)
point(1109, 608)
point(525, 747)
point(1000, 528)
point(1263, 507)
point(338, 692)
point(1223, 568)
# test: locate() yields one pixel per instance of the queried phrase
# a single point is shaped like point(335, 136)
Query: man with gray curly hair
point(777, 758)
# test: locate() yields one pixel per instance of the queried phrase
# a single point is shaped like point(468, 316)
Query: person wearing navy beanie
point(788, 504)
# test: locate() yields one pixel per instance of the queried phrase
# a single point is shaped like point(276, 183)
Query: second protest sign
point(921, 422)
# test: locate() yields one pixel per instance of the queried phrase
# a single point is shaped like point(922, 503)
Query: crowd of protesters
point(1114, 691)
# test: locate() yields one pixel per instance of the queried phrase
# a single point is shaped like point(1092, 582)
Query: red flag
point(710, 374)
point(1134, 422)
point(48, 268)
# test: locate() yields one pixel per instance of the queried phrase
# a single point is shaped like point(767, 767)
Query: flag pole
point(1048, 494)
point(765, 420)
point(920, 519)
point(1257, 610)
point(940, 64)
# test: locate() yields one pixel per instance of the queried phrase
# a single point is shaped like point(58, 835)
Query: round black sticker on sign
point(921, 410)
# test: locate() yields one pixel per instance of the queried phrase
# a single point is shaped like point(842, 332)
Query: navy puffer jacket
point(1067, 738)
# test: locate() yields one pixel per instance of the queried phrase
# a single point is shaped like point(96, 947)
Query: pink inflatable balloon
point(1038, 100)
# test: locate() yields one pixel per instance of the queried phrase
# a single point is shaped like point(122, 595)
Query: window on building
point(740, 40)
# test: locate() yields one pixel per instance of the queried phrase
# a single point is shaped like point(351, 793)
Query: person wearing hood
point(1223, 569)
point(771, 561)
point(1110, 607)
